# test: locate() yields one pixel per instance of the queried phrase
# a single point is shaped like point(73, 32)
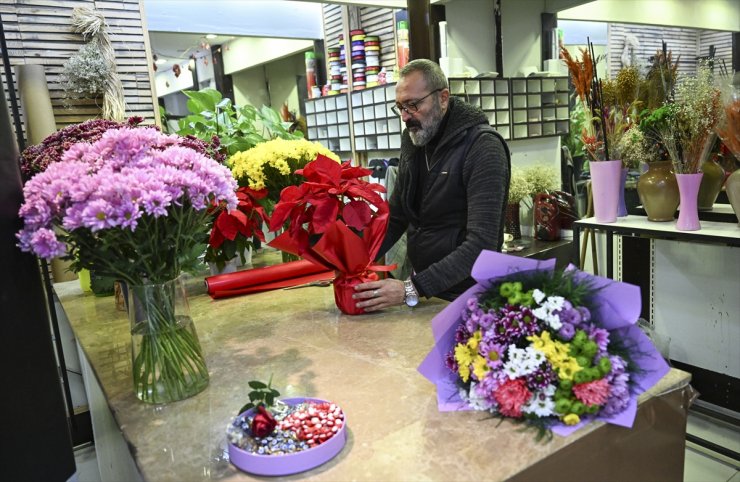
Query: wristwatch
point(411, 297)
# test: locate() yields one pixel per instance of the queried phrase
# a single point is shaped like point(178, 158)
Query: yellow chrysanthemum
point(571, 419)
point(464, 371)
point(480, 367)
point(557, 353)
point(284, 156)
point(474, 341)
point(463, 355)
point(467, 355)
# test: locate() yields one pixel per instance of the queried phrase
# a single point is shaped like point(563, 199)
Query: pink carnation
point(511, 395)
point(592, 393)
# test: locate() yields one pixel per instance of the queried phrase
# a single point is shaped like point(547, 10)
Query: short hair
point(432, 73)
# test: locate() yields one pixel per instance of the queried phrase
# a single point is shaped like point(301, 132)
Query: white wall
point(166, 82)
point(244, 53)
point(521, 28)
point(251, 85)
point(256, 18)
point(709, 14)
point(471, 34)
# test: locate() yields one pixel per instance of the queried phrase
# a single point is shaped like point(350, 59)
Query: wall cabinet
point(376, 127)
point(493, 96)
point(539, 107)
point(327, 119)
point(518, 108)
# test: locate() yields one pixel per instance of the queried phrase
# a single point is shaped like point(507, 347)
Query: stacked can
point(335, 72)
point(372, 60)
point(358, 59)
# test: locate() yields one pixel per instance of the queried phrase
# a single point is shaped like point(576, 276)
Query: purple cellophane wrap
point(617, 309)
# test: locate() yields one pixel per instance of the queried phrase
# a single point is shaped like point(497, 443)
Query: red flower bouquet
point(337, 221)
point(233, 230)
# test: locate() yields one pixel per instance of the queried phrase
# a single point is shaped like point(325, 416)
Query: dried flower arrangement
point(541, 178)
point(659, 83)
point(84, 73)
point(519, 187)
point(634, 148)
point(92, 70)
point(688, 133)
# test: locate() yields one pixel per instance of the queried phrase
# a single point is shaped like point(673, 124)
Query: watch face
point(412, 300)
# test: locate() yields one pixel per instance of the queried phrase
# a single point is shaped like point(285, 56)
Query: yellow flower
point(480, 367)
point(571, 419)
point(463, 355)
point(557, 353)
point(282, 156)
point(474, 341)
point(464, 371)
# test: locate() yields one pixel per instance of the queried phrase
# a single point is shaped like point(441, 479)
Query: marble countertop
point(366, 364)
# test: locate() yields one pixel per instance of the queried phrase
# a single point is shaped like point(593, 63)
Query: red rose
point(263, 423)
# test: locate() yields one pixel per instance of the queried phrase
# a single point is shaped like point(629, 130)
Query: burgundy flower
point(263, 423)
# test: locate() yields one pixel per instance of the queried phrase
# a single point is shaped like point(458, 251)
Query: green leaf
point(269, 399)
point(270, 115)
point(224, 103)
point(256, 385)
point(245, 408)
point(200, 100)
point(255, 396)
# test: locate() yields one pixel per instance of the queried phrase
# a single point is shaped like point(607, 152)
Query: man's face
point(412, 93)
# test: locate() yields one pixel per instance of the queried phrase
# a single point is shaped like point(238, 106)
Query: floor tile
point(699, 467)
point(87, 465)
point(720, 433)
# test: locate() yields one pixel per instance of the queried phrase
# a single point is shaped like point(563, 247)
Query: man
point(451, 192)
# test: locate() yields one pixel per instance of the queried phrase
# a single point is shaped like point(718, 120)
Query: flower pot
point(511, 223)
point(605, 177)
point(688, 213)
point(546, 219)
point(711, 184)
point(658, 191)
point(344, 288)
point(229, 267)
point(732, 188)
point(621, 205)
point(168, 362)
point(247, 258)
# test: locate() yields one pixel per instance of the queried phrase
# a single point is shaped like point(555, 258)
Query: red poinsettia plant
point(233, 230)
point(336, 220)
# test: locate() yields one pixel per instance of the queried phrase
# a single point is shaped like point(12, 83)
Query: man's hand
point(376, 295)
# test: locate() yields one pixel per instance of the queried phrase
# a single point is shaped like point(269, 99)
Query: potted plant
point(233, 229)
point(688, 135)
point(336, 220)
point(237, 128)
point(519, 189)
point(543, 182)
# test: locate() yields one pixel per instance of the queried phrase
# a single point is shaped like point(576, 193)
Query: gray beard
point(429, 129)
point(423, 136)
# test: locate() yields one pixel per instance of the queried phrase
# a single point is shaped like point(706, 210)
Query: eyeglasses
point(413, 106)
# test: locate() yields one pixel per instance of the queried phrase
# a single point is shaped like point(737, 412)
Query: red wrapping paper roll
point(264, 279)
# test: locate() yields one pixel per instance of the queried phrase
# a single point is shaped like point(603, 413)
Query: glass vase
point(168, 362)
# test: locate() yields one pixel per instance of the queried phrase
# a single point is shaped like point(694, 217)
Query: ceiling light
point(160, 61)
point(211, 36)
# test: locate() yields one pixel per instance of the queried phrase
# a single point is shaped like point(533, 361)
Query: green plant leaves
point(202, 100)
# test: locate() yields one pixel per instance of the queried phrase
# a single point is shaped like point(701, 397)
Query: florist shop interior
point(191, 192)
